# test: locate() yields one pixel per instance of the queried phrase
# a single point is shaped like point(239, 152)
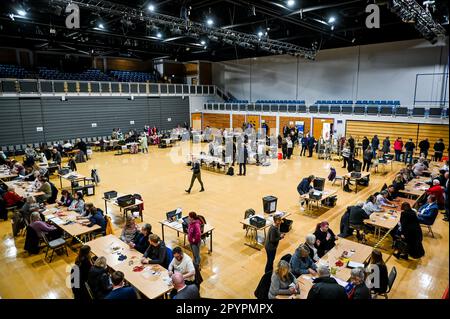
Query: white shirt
point(184, 266)
point(418, 169)
point(289, 143)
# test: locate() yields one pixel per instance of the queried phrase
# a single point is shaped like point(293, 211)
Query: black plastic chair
point(391, 279)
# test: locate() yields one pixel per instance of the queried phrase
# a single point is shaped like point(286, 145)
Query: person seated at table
point(3, 158)
point(77, 204)
point(140, 242)
point(56, 156)
point(66, 198)
point(309, 242)
point(392, 194)
point(283, 282)
point(428, 212)
point(11, 198)
point(17, 168)
point(67, 146)
point(83, 263)
point(45, 188)
point(119, 289)
point(30, 152)
point(81, 145)
point(419, 167)
point(325, 238)
point(301, 263)
point(399, 183)
point(382, 200)
point(42, 228)
point(370, 206)
point(409, 235)
point(129, 230)
point(182, 264)
point(441, 177)
point(156, 252)
point(357, 215)
point(438, 192)
point(377, 268)
point(325, 287)
point(98, 279)
point(30, 206)
point(96, 217)
point(358, 286)
point(183, 291)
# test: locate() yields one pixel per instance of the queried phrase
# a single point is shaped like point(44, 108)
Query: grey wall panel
point(74, 117)
point(31, 113)
point(176, 109)
point(10, 122)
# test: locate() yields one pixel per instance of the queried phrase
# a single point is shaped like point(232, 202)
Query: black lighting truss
point(410, 10)
point(194, 29)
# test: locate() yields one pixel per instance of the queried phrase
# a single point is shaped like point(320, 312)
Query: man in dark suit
point(196, 174)
point(120, 291)
point(184, 291)
point(311, 143)
point(242, 158)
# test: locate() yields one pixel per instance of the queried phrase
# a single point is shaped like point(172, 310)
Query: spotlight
point(151, 7)
point(21, 12)
point(159, 35)
point(209, 22)
point(331, 20)
point(332, 27)
point(290, 3)
point(260, 34)
point(203, 42)
point(101, 26)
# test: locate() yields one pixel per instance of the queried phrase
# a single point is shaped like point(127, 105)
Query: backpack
point(230, 171)
point(262, 291)
point(109, 228)
point(332, 174)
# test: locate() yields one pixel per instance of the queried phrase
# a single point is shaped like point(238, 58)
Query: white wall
point(384, 71)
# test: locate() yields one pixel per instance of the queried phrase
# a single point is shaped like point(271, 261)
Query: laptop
point(174, 215)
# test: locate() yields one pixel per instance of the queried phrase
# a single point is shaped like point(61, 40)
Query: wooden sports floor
point(233, 269)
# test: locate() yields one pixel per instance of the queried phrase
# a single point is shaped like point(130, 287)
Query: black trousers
point(303, 151)
point(346, 161)
point(310, 151)
point(194, 177)
point(242, 167)
point(425, 153)
point(366, 163)
point(271, 253)
point(437, 156)
point(289, 152)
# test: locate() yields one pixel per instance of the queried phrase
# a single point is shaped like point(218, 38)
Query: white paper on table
point(58, 221)
point(340, 282)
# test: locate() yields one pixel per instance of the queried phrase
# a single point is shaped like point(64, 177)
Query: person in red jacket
point(398, 148)
point(11, 198)
point(194, 236)
point(438, 192)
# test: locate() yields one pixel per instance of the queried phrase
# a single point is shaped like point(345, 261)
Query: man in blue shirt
point(120, 291)
point(305, 185)
point(428, 212)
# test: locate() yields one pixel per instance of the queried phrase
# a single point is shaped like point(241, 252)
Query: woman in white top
point(310, 240)
point(290, 147)
point(370, 206)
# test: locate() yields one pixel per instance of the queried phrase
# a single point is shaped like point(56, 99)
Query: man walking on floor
point(242, 159)
point(196, 174)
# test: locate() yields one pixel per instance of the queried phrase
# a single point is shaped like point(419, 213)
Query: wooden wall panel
point(318, 126)
point(433, 132)
point(359, 129)
point(196, 121)
point(238, 120)
point(271, 122)
point(285, 120)
point(219, 121)
point(255, 120)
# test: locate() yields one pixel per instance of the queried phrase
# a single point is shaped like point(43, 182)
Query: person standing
point(194, 236)
point(386, 145)
point(56, 156)
point(242, 159)
point(424, 146)
point(409, 150)
point(273, 238)
point(439, 148)
point(367, 158)
point(375, 144)
point(365, 143)
point(398, 148)
point(351, 145)
point(290, 147)
point(346, 154)
point(311, 144)
point(144, 143)
point(196, 174)
point(304, 142)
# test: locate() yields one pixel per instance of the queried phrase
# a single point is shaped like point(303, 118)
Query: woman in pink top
point(42, 228)
point(398, 148)
point(194, 236)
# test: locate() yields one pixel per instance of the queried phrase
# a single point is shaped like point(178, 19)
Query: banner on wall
point(326, 131)
point(300, 125)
